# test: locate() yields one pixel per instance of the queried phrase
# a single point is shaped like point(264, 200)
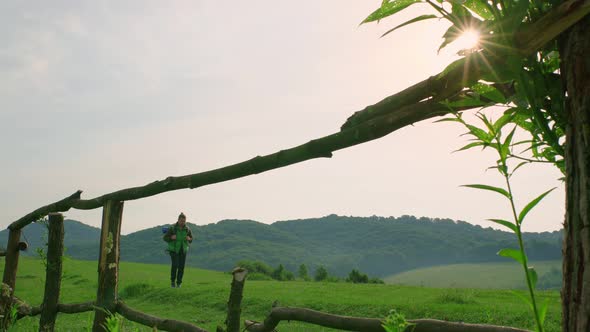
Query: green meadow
point(508, 275)
point(202, 300)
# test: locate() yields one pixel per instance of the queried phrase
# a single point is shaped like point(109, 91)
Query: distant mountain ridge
point(376, 245)
point(76, 235)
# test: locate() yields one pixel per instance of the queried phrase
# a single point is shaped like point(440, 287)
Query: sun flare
point(468, 40)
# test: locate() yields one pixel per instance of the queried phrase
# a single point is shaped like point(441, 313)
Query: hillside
point(375, 245)
point(77, 237)
point(505, 275)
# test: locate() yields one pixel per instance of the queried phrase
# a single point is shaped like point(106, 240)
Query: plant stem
point(524, 257)
point(441, 10)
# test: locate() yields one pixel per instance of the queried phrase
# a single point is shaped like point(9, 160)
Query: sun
point(467, 40)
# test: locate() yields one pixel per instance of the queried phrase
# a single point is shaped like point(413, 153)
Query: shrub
point(321, 274)
point(356, 277)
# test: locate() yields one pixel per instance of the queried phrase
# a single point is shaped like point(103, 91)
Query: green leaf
point(480, 7)
point(388, 9)
point(512, 253)
point(490, 188)
point(503, 169)
point(525, 299)
point(505, 148)
point(470, 145)
point(518, 166)
point(531, 205)
point(448, 120)
point(488, 124)
point(505, 223)
point(452, 33)
point(414, 20)
point(533, 276)
point(551, 61)
point(479, 133)
point(490, 92)
point(502, 121)
point(517, 14)
point(507, 71)
point(459, 13)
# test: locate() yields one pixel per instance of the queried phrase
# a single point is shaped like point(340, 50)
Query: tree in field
point(282, 274)
point(303, 273)
point(356, 277)
point(321, 274)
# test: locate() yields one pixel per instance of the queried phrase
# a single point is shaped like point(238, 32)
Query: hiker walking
point(178, 236)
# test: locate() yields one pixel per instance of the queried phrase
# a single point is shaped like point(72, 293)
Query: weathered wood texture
point(55, 251)
point(25, 310)
point(347, 323)
point(155, 322)
point(575, 69)
point(74, 308)
point(11, 260)
point(234, 304)
point(108, 263)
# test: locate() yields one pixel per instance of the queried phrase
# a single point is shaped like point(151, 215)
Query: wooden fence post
point(11, 264)
point(9, 278)
point(234, 304)
point(108, 264)
point(55, 250)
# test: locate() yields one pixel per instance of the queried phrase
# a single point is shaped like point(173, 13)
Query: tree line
point(261, 271)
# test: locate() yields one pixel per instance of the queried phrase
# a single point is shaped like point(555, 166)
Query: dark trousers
point(177, 270)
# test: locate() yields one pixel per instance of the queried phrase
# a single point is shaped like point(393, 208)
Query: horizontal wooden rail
point(59, 206)
point(25, 310)
point(156, 322)
point(348, 323)
point(74, 308)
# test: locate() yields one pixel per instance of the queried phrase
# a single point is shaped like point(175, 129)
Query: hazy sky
point(101, 96)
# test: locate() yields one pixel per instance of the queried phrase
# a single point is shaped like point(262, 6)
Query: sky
point(101, 96)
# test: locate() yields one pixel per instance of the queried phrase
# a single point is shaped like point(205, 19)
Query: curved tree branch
point(348, 323)
point(318, 148)
point(156, 322)
point(59, 206)
point(25, 309)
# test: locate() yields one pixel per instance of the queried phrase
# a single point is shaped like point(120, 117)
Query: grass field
point(202, 300)
point(507, 275)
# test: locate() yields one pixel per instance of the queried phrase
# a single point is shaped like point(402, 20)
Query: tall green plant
point(492, 138)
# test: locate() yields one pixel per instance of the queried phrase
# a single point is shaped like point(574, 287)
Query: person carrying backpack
point(179, 237)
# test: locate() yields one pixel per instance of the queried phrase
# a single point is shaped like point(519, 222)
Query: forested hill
point(375, 245)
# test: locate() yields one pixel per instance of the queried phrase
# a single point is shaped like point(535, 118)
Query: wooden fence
point(106, 302)
point(418, 102)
